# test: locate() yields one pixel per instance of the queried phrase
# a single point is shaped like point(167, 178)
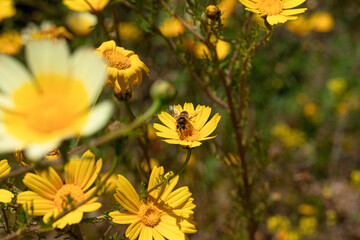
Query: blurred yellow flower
point(276, 11)
point(186, 126)
point(52, 102)
point(201, 51)
point(337, 86)
point(288, 136)
point(87, 6)
point(145, 166)
point(5, 195)
point(7, 9)
point(321, 22)
point(307, 226)
point(227, 7)
point(342, 108)
point(81, 23)
point(52, 194)
point(331, 218)
point(310, 110)
point(287, 235)
point(10, 42)
point(129, 31)
point(124, 67)
point(301, 26)
point(306, 209)
point(355, 178)
point(47, 30)
point(163, 214)
point(109, 185)
point(277, 222)
point(172, 27)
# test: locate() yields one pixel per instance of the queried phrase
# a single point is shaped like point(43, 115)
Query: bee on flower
point(187, 126)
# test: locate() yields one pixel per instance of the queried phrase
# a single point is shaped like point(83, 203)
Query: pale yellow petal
point(178, 197)
point(210, 126)
point(292, 3)
point(122, 217)
point(133, 231)
point(189, 107)
point(5, 196)
point(146, 233)
point(40, 185)
point(169, 229)
point(249, 3)
point(293, 11)
point(168, 120)
point(126, 195)
point(202, 117)
point(90, 207)
point(4, 167)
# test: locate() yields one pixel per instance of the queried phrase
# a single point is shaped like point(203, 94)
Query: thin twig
point(106, 232)
point(178, 172)
point(141, 141)
point(7, 228)
point(186, 25)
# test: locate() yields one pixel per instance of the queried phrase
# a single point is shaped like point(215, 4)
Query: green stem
point(142, 141)
point(178, 172)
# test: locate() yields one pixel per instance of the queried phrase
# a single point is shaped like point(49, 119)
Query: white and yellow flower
point(51, 102)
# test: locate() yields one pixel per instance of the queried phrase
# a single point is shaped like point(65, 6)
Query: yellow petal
point(210, 126)
point(168, 120)
point(169, 229)
point(40, 185)
point(292, 3)
point(134, 230)
point(5, 196)
point(123, 217)
point(126, 195)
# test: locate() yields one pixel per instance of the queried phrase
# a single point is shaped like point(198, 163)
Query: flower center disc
point(149, 214)
point(68, 195)
point(47, 107)
point(270, 7)
point(117, 60)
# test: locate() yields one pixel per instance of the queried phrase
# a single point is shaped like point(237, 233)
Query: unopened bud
point(213, 12)
point(163, 90)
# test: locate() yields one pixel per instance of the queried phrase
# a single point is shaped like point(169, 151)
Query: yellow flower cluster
point(318, 22)
point(10, 42)
point(288, 136)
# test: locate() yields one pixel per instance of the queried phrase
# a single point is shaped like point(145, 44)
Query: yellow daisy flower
point(40, 109)
point(10, 42)
point(81, 23)
point(275, 11)
point(124, 67)
point(52, 194)
point(7, 9)
point(186, 126)
point(84, 6)
point(5, 195)
point(163, 214)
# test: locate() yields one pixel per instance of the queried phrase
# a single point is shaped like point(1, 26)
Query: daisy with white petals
point(52, 102)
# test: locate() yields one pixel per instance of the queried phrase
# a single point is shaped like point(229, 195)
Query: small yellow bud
point(213, 12)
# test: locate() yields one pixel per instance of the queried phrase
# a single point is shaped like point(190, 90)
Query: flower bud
point(213, 12)
point(163, 90)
